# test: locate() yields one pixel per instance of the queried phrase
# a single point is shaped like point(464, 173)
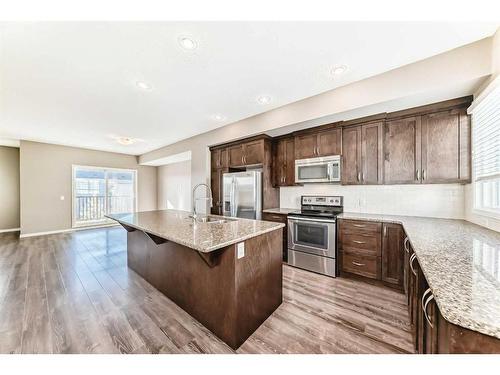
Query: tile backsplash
point(443, 201)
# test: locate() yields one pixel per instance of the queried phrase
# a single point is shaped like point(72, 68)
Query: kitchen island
point(225, 272)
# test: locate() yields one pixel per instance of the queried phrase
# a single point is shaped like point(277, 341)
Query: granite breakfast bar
point(225, 272)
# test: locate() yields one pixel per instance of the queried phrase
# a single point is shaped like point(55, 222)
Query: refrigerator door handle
point(235, 197)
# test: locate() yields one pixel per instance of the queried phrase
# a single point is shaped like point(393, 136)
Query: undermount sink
point(211, 219)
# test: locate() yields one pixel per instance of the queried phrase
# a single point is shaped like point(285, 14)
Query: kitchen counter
point(461, 262)
point(178, 227)
point(281, 211)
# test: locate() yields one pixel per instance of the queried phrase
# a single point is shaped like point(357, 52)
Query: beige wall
point(420, 83)
point(46, 176)
point(174, 186)
point(9, 188)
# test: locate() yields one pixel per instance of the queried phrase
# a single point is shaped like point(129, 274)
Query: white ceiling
point(74, 83)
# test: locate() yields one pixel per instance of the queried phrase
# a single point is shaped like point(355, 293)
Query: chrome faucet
point(209, 198)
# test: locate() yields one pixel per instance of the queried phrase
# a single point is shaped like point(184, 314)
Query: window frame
point(481, 211)
point(74, 225)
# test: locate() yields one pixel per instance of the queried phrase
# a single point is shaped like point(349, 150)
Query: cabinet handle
point(359, 176)
point(405, 244)
point(358, 225)
point(418, 174)
point(385, 231)
point(358, 264)
point(423, 174)
point(360, 242)
point(412, 258)
point(424, 305)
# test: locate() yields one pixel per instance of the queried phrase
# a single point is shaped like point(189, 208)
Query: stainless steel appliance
point(323, 169)
point(242, 194)
point(312, 234)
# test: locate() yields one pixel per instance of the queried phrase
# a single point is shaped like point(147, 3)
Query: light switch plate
point(240, 250)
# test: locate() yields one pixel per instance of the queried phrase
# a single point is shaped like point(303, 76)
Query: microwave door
point(318, 172)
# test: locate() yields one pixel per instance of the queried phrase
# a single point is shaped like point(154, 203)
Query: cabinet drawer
point(366, 243)
point(360, 226)
point(274, 217)
point(368, 266)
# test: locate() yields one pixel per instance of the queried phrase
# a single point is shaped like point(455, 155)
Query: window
point(101, 191)
point(486, 154)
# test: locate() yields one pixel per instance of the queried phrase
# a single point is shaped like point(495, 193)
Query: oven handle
point(296, 220)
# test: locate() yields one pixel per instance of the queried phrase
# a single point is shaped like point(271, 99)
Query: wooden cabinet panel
point(402, 151)
point(306, 146)
point(218, 158)
point(235, 155)
point(363, 265)
point(284, 162)
point(279, 218)
point(216, 185)
point(359, 226)
point(444, 147)
point(361, 243)
point(253, 152)
point(393, 255)
point(351, 155)
point(289, 162)
point(372, 156)
point(329, 142)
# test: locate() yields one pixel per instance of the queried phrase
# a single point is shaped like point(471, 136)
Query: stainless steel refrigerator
point(242, 194)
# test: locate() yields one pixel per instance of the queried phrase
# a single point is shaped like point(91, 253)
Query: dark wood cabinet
point(284, 162)
point(248, 153)
point(362, 154)
point(324, 142)
point(402, 151)
point(393, 255)
point(279, 218)
point(216, 184)
point(446, 147)
point(218, 158)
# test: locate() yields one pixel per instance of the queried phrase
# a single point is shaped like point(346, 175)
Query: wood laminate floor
point(73, 293)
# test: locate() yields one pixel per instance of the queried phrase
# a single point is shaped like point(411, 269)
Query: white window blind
point(486, 152)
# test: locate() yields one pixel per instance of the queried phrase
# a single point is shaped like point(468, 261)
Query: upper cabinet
point(427, 149)
point(402, 152)
point(248, 153)
point(446, 147)
point(362, 154)
point(319, 143)
point(218, 158)
point(284, 162)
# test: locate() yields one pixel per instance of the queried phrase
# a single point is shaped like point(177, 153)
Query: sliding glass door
point(100, 191)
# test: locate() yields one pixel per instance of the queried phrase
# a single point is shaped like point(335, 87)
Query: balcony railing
point(93, 208)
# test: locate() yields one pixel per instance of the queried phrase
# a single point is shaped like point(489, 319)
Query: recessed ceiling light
point(264, 99)
point(187, 43)
point(126, 141)
point(143, 85)
point(339, 69)
point(218, 117)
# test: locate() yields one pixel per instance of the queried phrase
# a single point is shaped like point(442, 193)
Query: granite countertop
point(178, 227)
point(281, 211)
point(461, 262)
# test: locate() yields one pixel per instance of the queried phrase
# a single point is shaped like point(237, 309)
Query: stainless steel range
point(312, 234)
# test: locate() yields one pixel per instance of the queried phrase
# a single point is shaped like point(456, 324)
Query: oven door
point(313, 236)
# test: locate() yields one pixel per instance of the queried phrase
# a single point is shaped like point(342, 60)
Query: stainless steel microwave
point(323, 169)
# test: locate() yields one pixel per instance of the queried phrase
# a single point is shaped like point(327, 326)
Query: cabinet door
point(402, 153)
point(223, 162)
point(305, 146)
point(372, 156)
point(253, 152)
point(393, 255)
point(215, 159)
point(235, 154)
point(445, 147)
point(351, 155)
point(279, 163)
point(289, 169)
point(329, 142)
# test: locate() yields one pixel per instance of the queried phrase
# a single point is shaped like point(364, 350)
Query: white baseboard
point(65, 230)
point(10, 230)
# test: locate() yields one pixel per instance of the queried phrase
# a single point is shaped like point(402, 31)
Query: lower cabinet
point(279, 218)
point(373, 250)
point(432, 333)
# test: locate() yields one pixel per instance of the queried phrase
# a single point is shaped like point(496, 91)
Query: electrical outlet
point(240, 250)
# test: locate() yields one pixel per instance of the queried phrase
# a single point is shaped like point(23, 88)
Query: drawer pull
point(424, 305)
point(360, 242)
point(358, 264)
point(406, 245)
point(412, 258)
point(359, 225)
